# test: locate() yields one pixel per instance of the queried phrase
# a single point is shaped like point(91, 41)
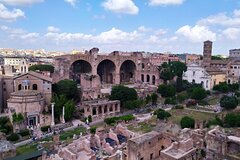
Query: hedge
point(13, 137)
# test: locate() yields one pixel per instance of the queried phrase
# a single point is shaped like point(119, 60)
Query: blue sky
point(176, 26)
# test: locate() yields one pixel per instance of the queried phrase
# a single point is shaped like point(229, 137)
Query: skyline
point(125, 25)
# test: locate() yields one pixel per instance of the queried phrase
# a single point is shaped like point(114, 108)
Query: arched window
point(148, 78)
point(34, 87)
point(19, 87)
point(142, 78)
point(153, 80)
point(143, 65)
point(193, 81)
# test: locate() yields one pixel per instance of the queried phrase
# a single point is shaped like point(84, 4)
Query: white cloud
point(53, 29)
point(20, 2)
point(165, 2)
point(115, 35)
point(144, 29)
point(196, 33)
point(67, 36)
point(12, 30)
point(222, 19)
point(71, 2)
point(121, 6)
point(8, 15)
point(99, 16)
point(160, 32)
point(232, 33)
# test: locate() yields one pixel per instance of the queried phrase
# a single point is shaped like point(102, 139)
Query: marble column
point(53, 122)
point(63, 115)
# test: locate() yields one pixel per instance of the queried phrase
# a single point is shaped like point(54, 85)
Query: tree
point(228, 102)
point(148, 99)
point(163, 115)
point(42, 67)
point(69, 110)
point(232, 120)
point(154, 98)
point(178, 68)
point(59, 103)
point(93, 130)
point(5, 125)
point(199, 93)
point(187, 122)
point(17, 118)
point(166, 90)
point(133, 104)
point(123, 94)
point(169, 100)
point(221, 87)
point(68, 88)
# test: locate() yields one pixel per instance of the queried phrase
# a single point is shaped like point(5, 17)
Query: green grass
point(214, 100)
point(26, 149)
point(69, 134)
point(177, 115)
point(141, 127)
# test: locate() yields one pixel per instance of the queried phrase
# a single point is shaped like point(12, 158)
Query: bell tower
point(207, 53)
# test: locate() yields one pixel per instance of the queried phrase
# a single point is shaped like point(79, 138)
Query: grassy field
point(26, 149)
point(69, 134)
point(142, 127)
point(177, 115)
point(214, 100)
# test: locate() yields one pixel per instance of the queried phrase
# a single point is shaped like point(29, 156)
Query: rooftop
point(145, 137)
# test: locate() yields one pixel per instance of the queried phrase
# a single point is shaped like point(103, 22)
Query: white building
point(234, 53)
point(197, 74)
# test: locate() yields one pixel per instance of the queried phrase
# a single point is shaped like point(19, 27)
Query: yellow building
point(217, 76)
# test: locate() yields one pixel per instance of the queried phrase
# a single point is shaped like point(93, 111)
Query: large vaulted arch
point(127, 71)
point(106, 70)
point(79, 67)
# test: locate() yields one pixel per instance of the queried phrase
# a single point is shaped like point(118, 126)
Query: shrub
point(187, 122)
point(166, 90)
point(24, 132)
point(203, 103)
point(170, 101)
point(89, 118)
point(181, 97)
point(13, 137)
point(229, 102)
point(179, 107)
point(198, 93)
point(93, 130)
point(113, 120)
point(214, 122)
point(232, 120)
point(163, 115)
point(133, 104)
point(42, 67)
point(45, 128)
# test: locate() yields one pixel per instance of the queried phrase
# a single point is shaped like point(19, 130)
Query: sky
point(176, 26)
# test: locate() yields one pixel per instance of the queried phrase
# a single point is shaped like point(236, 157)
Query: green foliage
point(203, 102)
point(199, 93)
point(67, 88)
point(89, 118)
point(13, 137)
point(170, 101)
point(17, 118)
point(69, 110)
point(217, 57)
point(232, 120)
point(179, 107)
point(5, 125)
point(228, 102)
point(148, 99)
point(221, 87)
point(161, 114)
point(123, 94)
point(187, 122)
point(214, 122)
point(45, 128)
point(154, 98)
point(166, 90)
point(93, 130)
point(42, 67)
point(24, 132)
point(133, 104)
point(181, 97)
point(113, 120)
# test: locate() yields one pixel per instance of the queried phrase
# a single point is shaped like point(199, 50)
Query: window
point(142, 78)
point(193, 73)
point(19, 87)
point(151, 156)
point(148, 78)
point(34, 87)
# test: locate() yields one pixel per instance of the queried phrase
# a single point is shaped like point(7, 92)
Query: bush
point(214, 122)
point(42, 67)
point(166, 90)
point(133, 104)
point(221, 87)
point(170, 101)
point(13, 137)
point(181, 97)
point(45, 128)
point(237, 94)
point(163, 115)
point(229, 102)
point(232, 120)
point(179, 107)
point(89, 118)
point(187, 122)
point(5, 125)
point(198, 93)
point(203, 103)
point(93, 130)
point(113, 120)
point(24, 132)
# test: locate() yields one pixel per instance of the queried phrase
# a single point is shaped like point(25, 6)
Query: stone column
point(53, 123)
point(63, 114)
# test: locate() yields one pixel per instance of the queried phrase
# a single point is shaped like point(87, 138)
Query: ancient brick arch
point(127, 71)
point(106, 69)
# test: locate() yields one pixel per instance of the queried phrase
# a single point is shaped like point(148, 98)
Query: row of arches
point(26, 87)
point(106, 70)
point(149, 79)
